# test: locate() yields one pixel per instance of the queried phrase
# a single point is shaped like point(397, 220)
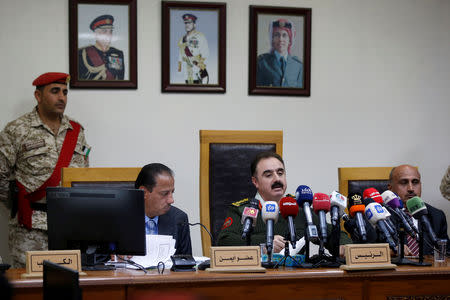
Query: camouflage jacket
point(29, 151)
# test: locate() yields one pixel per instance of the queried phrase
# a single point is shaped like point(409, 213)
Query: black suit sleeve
point(183, 243)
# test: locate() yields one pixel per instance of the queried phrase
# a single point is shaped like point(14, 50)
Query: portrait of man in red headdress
point(280, 55)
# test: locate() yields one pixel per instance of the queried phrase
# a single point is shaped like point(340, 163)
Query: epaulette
point(240, 202)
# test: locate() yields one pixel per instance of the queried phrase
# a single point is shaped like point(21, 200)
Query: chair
point(352, 180)
point(60, 282)
point(225, 158)
point(104, 177)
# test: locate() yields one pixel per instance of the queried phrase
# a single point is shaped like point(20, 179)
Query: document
point(159, 249)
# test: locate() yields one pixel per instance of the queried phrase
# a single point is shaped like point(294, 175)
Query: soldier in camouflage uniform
point(269, 178)
point(29, 150)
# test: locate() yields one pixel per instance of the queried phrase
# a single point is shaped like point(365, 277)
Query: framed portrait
point(280, 51)
point(193, 47)
point(103, 44)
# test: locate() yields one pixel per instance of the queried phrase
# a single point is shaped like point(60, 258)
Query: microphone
point(249, 216)
point(374, 194)
point(321, 205)
point(391, 200)
point(389, 226)
point(289, 210)
point(338, 203)
point(304, 197)
point(375, 214)
point(269, 215)
point(356, 209)
point(419, 211)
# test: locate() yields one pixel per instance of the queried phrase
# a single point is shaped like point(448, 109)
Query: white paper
point(159, 249)
point(313, 248)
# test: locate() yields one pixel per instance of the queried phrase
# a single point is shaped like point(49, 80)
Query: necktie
point(150, 227)
point(412, 243)
point(283, 65)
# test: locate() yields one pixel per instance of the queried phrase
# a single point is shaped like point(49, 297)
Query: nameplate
point(67, 258)
point(367, 257)
point(236, 259)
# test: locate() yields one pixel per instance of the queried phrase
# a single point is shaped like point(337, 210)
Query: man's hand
point(278, 243)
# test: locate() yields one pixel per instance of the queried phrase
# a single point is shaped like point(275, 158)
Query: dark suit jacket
point(174, 223)
point(439, 224)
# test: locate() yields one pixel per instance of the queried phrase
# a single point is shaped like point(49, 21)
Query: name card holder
point(239, 259)
point(367, 257)
point(67, 258)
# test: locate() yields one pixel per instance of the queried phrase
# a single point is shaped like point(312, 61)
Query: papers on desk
point(313, 248)
point(159, 249)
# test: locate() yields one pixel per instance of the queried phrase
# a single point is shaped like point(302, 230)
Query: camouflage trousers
point(22, 240)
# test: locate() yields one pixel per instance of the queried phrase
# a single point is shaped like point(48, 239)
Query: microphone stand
point(401, 260)
point(307, 264)
point(282, 262)
point(324, 260)
point(269, 264)
point(421, 240)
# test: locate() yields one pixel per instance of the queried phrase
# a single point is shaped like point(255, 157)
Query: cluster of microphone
point(386, 215)
point(383, 212)
point(288, 207)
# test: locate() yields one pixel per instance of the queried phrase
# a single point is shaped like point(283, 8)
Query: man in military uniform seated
point(269, 178)
point(279, 68)
point(33, 149)
point(101, 61)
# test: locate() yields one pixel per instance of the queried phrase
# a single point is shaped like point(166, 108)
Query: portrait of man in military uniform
point(102, 42)
point(279, 62)
point(194, 47)
point(101, 61)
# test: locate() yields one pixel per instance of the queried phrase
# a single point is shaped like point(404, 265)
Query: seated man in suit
point(269, 178)
point(158, 183)
point(405, 181)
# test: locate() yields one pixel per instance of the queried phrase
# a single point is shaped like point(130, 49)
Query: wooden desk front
point(275, 284)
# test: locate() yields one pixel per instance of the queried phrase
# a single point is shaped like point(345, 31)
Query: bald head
point(405, 181)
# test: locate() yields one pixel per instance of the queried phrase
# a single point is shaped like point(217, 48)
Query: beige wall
point(380, 94)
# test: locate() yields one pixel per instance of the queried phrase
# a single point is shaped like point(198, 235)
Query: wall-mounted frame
point(103, 43)
point(275, 31)
point(193, 47)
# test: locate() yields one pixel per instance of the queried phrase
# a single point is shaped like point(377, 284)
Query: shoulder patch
point(240, 202)
point(227, 223)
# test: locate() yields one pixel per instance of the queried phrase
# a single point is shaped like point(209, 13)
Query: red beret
point(51, 77)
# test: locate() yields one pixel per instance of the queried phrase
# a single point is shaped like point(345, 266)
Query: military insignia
point(240, 202)
point(282, 24)
point(193, 43)
point(227, 223)
point(33, 145)
point(68, 79)
point(115, 62)
point(86, 151)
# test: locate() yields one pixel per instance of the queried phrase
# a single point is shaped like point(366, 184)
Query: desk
point(275, 284)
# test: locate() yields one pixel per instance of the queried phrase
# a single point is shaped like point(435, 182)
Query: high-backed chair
point(225, 158)
point(105, 177)
point(353, 180)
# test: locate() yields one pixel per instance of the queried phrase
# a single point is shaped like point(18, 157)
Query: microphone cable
point(204, 227)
